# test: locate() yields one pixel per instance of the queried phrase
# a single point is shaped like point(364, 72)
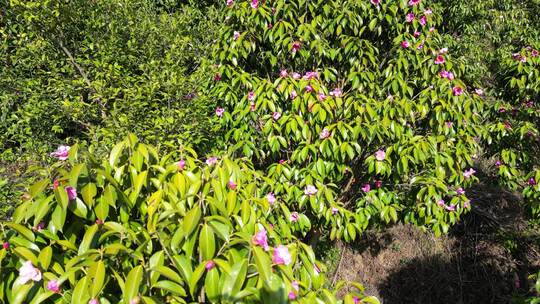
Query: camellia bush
point(515, 129)
point(508, 73)
point(354, 108)
point(139, 227)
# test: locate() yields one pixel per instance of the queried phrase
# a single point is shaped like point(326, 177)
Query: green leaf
point(25, 232)
point(133, 282)
point(207, 242)
point(191, 220)
point(80, 293)
point(88, 238)
point(45, 257)
point(171, 287)
point(115, 153)
point(263, 263)
point(99, 279)
point(235, 280)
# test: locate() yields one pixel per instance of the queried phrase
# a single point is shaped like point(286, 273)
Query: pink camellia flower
point(293, 94)
point(356, 300)
point(236, 35)
point(269, 26)
point(296, 46)
point(410, 17)
point(56, 184)
point(428, 12)
point(378, 184)
point(294, 217)
point(96, 301)
point(217, 77)
point(219, 112)
point(460, 191)
point(276, 115)
point(457, 91)
point(502, 109)
point(252, 106)
point(450, 76)
point(498, 163)
point(334, 210)
point(182, 164)
point(467, 204)
point(432, 29)
point(441, 202)
point(230, 2)
point(444, 74)
point(337, 92)
point(62, 153)
point(423, 21)
point(311, 75)
point(28, 272)
point(414, 2)
point(254, 4)
point(380, 155)
point(53, 286)
point(281, 255)
point(211, 161)
point(450, 208)
point(251, 96)
point(443, 51)
point(529, 104)
point(507, 125)
point(420, 46)
point(292, 295)
point(449, 124)
point(210, 265)
point(439, 59)
point(296, 76)
point(5, 245)
point(324, 133)
point(417, 34)
point(260, 239)
point(405, 44)
point(309, 88)
point(468, 173)
point(283, 73)
point(232, 185)
point(310, 190)
point(71, 192)
point(282, 161)
point(321, 96)
point(375, 2)
point(271, 198)
point(295, 285)
point(366, 188)
point(534, 53)
point(39, 226)
point(531, 181)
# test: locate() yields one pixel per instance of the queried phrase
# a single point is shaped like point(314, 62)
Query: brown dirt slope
point(484, 259)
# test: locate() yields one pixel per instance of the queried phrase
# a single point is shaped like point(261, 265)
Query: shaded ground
point(484, 259)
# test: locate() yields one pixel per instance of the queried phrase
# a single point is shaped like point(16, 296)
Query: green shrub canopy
point(354, 108)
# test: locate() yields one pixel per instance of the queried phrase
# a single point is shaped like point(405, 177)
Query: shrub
point(98, 70)
point(353, 108)
point(138, 227)
point(516, 129)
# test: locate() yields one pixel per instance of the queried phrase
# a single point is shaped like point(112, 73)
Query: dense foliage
point(268, 123)
point(508, 71)
point(353, 106)
point(96, 70)
point(138, 226)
